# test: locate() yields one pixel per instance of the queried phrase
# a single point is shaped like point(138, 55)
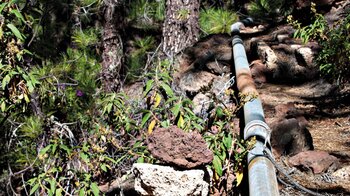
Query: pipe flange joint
point(257, 128)
point(235, 27)
point(236, 40)
point(248, 21)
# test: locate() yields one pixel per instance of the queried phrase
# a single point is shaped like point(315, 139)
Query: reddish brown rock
point(317, 161)
point(172, 145)
point(289, 137)
point(258, 70)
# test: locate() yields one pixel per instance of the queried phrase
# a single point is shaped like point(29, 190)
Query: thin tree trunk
point(181, 27)
point(112, 54)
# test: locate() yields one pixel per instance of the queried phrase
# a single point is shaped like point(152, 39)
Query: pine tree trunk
point(112, 54)
point(181, 27)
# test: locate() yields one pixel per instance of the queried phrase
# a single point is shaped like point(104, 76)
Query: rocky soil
point(327, 114)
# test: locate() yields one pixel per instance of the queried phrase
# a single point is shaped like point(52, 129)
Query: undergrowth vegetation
point(273, 10)
point(61, 134)
point(213, 20)
point(334, 56)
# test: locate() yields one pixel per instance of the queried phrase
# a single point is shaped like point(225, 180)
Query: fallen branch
point(123, 184)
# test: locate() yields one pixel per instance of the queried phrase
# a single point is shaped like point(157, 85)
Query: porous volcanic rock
point(318, 161)
point(172, 145)
point(164, 180)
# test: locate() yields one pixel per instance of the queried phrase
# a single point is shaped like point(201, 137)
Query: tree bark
point(112, 53)
point(181, 27)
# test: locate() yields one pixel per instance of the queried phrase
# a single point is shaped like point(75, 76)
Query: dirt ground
point(327, 111)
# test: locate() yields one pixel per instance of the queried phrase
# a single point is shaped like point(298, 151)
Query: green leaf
point(15, 31)
point(228, 141)
point(30, 86)
point(2, 6)
point(52, 186)
point(17, 14)
point(82, 192)
point(165, 123)
point(167, 89)
point(171, 100)
point(110, 159)
point(64, 147)
point(58, 192)
point(176, 109)
point(145, 118)
point(84, 157)
point(103, 167)
point(217, 165)
point(219, 112)
point(32, 181)
point(140, 160)
point(5, 81)
point(54, 147)
point(109, 107)
point(35, 187)
point(26, 98)
point(121, 158)
point(44, 150)
point(95, 189)
point(3, 106)
point(149, 84)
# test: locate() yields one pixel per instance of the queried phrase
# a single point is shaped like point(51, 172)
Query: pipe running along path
point(261, 171)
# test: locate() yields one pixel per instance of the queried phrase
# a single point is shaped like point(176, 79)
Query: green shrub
point(334, 57)
point(270, 9)
point(216, 20)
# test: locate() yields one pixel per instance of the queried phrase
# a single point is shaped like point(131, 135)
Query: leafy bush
point(84, 137)
point(16, 83)
point(333, 61)
point(216, 20)
point(314, 31)
point(270, 9)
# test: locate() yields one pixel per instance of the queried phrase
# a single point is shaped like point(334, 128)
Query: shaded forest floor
point(327, 111)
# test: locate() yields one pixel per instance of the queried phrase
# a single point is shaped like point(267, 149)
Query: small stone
point(317, 161)
point(164, 180)
point(305, 57)
point(201, 103)
point(193, 82)
point(173, 146)
point(267, 55)
point(342, 174)
point(282, 38)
